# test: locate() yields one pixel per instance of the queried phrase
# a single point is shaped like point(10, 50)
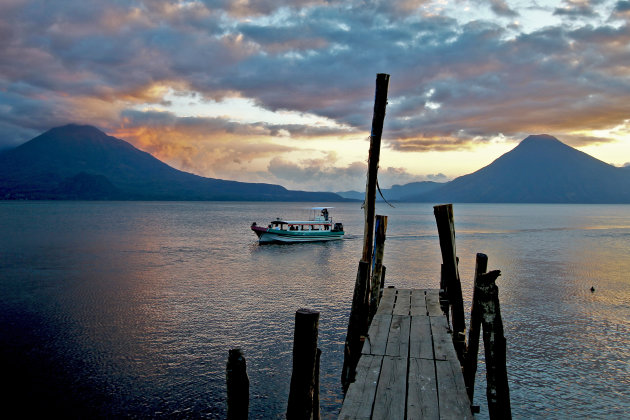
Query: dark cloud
point(576, 11)
point(621, 11)
point(622, 7)
point(501, 8)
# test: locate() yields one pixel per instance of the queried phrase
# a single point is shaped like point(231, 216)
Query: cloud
point(212, 147)
point(501, 8)
point(455, 83)
point(437, 177)
point(324, 174)
point(575, 9)
point(621, 10)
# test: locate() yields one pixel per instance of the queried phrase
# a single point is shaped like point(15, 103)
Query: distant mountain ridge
point(541, 169)
point(82, 162)
point(76, 162)
point(397, 192)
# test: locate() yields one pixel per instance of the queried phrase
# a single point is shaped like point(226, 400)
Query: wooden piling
point(497, 389)
point(380, 103)
point(303, 377)
point(357, 325)
point(237, 386)
point(377, 265)
point(472, 346)
point(451, 282)
point(359, 313)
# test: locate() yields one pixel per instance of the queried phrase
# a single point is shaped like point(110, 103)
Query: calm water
point(129, 309)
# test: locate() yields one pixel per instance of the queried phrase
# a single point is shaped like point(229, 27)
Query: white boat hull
point(269, 235)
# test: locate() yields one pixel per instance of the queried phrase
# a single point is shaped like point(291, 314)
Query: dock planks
point(408, 367)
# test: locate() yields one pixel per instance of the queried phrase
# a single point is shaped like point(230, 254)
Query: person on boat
point(325, 214)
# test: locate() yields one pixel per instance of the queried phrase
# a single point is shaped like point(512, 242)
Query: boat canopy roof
point(321, 208)
point(302, 222)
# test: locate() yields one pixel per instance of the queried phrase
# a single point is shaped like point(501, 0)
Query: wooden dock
point(408, 367)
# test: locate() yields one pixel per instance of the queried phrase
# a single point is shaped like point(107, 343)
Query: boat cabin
point(319, 220)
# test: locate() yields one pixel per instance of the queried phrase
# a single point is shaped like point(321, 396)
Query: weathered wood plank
point(360, 396)
point(386, 306)
point(420, 342)
point(433, 303)
point(452, 396)
point(418, 303)
point(409, 368)
point(391, 390)
point(376, 340)
point(442, 339)
point(403, 302)
point(422, 398)
point(398, 339)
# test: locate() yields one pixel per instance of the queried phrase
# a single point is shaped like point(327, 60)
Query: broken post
point(237, 386)
point(304, 375)
point(497, 390)
point(472, 346)
point(450, 272)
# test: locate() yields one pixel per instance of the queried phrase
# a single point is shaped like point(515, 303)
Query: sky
point(282, 91)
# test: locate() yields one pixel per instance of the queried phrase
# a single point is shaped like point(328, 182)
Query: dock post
point(472, 346)
point(359, 313)
point(497, 391)
point(377, 263)
point(380, 103)
point(357, 325)
point(451, 282)
point(237, 386)
point(304, 375)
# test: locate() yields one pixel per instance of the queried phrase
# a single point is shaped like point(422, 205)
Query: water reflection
point(129, 309)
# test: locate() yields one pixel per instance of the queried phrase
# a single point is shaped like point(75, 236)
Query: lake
point(128, 309)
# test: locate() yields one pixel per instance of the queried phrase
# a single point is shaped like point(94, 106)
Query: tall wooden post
point(472, 346)
point(446, 230)
point(359, 313)
point(380, 102)
point(377, 264)
point(303, 377)
point(237, 386)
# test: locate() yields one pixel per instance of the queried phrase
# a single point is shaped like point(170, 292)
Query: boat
point(319, 227)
